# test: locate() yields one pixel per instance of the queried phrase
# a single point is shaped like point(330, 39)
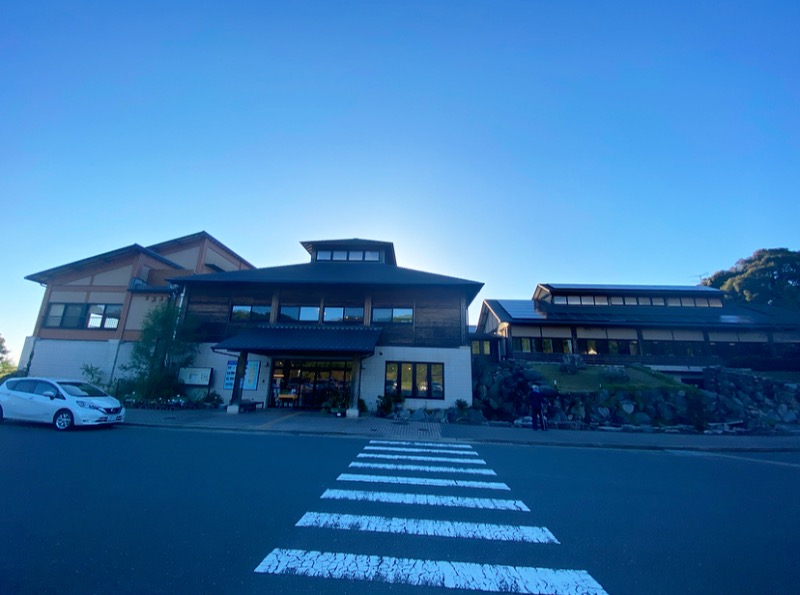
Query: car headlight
point(88, 405)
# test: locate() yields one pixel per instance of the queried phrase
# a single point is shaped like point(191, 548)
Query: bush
point(387, 404)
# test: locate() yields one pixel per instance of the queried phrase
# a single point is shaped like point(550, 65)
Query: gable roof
point(45, 277)
point(335, 273)
point(195, 238)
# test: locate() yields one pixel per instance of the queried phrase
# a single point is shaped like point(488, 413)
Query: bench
point(248, 405)
point(287, 399)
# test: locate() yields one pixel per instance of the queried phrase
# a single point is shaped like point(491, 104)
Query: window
point(356, 255)
point(299, 314)
point(560, 300)
point(393, 315)
point(323, 254)
point(658, 301)
point(601, 300)
point(574, 300)
point(104, 316)
point(644, 301)
point(616, 300)
point(76, 316)
point(372, 255)
point(687, 302)
point(250, 313)
point(630, 301)
point(476, 348)
point(340, 255)
point(523, 344)
point(587, 300)
point(415, 380)
point(673, 301)
point(343, 315)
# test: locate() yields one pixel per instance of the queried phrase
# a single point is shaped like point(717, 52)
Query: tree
point(165, 345)
point(769, 276)
point(6, 365)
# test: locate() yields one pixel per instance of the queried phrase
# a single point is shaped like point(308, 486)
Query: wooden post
point(238, 380)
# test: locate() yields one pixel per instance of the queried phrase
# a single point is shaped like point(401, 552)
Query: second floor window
point(393, 315)
point(299, 314)
point(79, 316)
point(343, 315)
point(250, 313)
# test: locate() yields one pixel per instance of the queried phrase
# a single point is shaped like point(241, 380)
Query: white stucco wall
point(63, 359)
point(206, 358)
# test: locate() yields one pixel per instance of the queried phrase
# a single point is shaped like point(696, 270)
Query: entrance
point(314, 382)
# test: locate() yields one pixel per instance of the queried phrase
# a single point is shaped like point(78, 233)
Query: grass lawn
point(590, 379)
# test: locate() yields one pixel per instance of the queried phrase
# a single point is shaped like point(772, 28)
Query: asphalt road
point(147, 510)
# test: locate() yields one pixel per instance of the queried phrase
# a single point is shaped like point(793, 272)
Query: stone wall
point(759, 401)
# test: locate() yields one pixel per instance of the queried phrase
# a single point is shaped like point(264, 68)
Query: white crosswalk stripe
point(420, 458)
point(402, 457)
point(424, 481)
point(455, 445)
point(432, 528)
point(433, 451)
point(432, 573)
point(421, 468)
point(425, 500)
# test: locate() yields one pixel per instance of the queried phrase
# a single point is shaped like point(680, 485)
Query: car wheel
point(63, 420)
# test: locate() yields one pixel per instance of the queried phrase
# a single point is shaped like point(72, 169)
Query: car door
point(19, 400)
point(46, 400)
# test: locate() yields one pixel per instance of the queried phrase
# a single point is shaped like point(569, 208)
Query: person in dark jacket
point(537, 408)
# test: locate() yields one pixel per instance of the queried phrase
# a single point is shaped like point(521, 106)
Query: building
point(93, 309)
point(349, 321)
point(671, 328)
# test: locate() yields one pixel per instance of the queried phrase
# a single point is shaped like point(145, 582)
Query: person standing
point(537, 405)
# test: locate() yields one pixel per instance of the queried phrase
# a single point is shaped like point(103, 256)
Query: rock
point(604, 412)
point(628, 407)
point(640, 418)
point(476, 417)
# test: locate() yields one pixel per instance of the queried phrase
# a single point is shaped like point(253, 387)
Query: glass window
point(547, 345)
point(95, 316)
point(54, 314)
point(573, 300)
point(354, 315)
point(309, 314)
point(701, 302)
point(73, 316)
point(372, 255)
point(630, 301)
point(340, 255)
point(673, 301)
point(403, 315)
point(658, 301)
point(323, 254)
point(381, 315)
point(560, 299)
point(715, 302)
point(391, 379)
point(418, 380)
point(487, 348)
point(240, 313)
point(333, 314)
point(616, 300)
point(644, 301)
point(687, 302)
point(476, 348)
point(601, 300)
point(394, 315)
point(112, 315)
point(356, 255)
point(587, 300)
point(289, 314)
point(250, 313)
point(260, 313)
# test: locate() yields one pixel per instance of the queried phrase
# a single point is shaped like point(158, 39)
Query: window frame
point(432, 372)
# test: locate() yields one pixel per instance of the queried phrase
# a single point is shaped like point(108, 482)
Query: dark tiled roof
point(335, 273)
point(291, 339)
point(729, 316)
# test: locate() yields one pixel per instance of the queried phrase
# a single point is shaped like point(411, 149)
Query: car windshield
point(81, 389)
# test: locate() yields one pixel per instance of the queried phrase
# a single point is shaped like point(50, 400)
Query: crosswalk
point(400, 466)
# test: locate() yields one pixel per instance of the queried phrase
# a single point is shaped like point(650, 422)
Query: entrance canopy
point(288, 340)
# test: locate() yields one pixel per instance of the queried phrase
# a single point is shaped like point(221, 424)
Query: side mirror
point(49, 393)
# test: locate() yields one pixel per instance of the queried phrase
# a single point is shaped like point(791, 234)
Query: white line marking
point(428, 528)
point(451, 575)
point(424, 468)
point(431, 444)
point(421, 458)
point(693, 453)
point(424, 481)
point(439, 451)
point(425, 500)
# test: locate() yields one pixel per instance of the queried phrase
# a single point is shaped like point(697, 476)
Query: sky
point(511, 142)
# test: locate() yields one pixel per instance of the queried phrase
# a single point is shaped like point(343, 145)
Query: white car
point(63, 403)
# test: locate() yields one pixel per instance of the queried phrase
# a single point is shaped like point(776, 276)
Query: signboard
point(250, 380)
point(195, 376)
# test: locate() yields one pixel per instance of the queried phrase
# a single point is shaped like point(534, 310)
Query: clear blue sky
point(509, 142)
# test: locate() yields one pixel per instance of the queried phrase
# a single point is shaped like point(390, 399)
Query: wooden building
point(672, 328)
point(348, 322)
